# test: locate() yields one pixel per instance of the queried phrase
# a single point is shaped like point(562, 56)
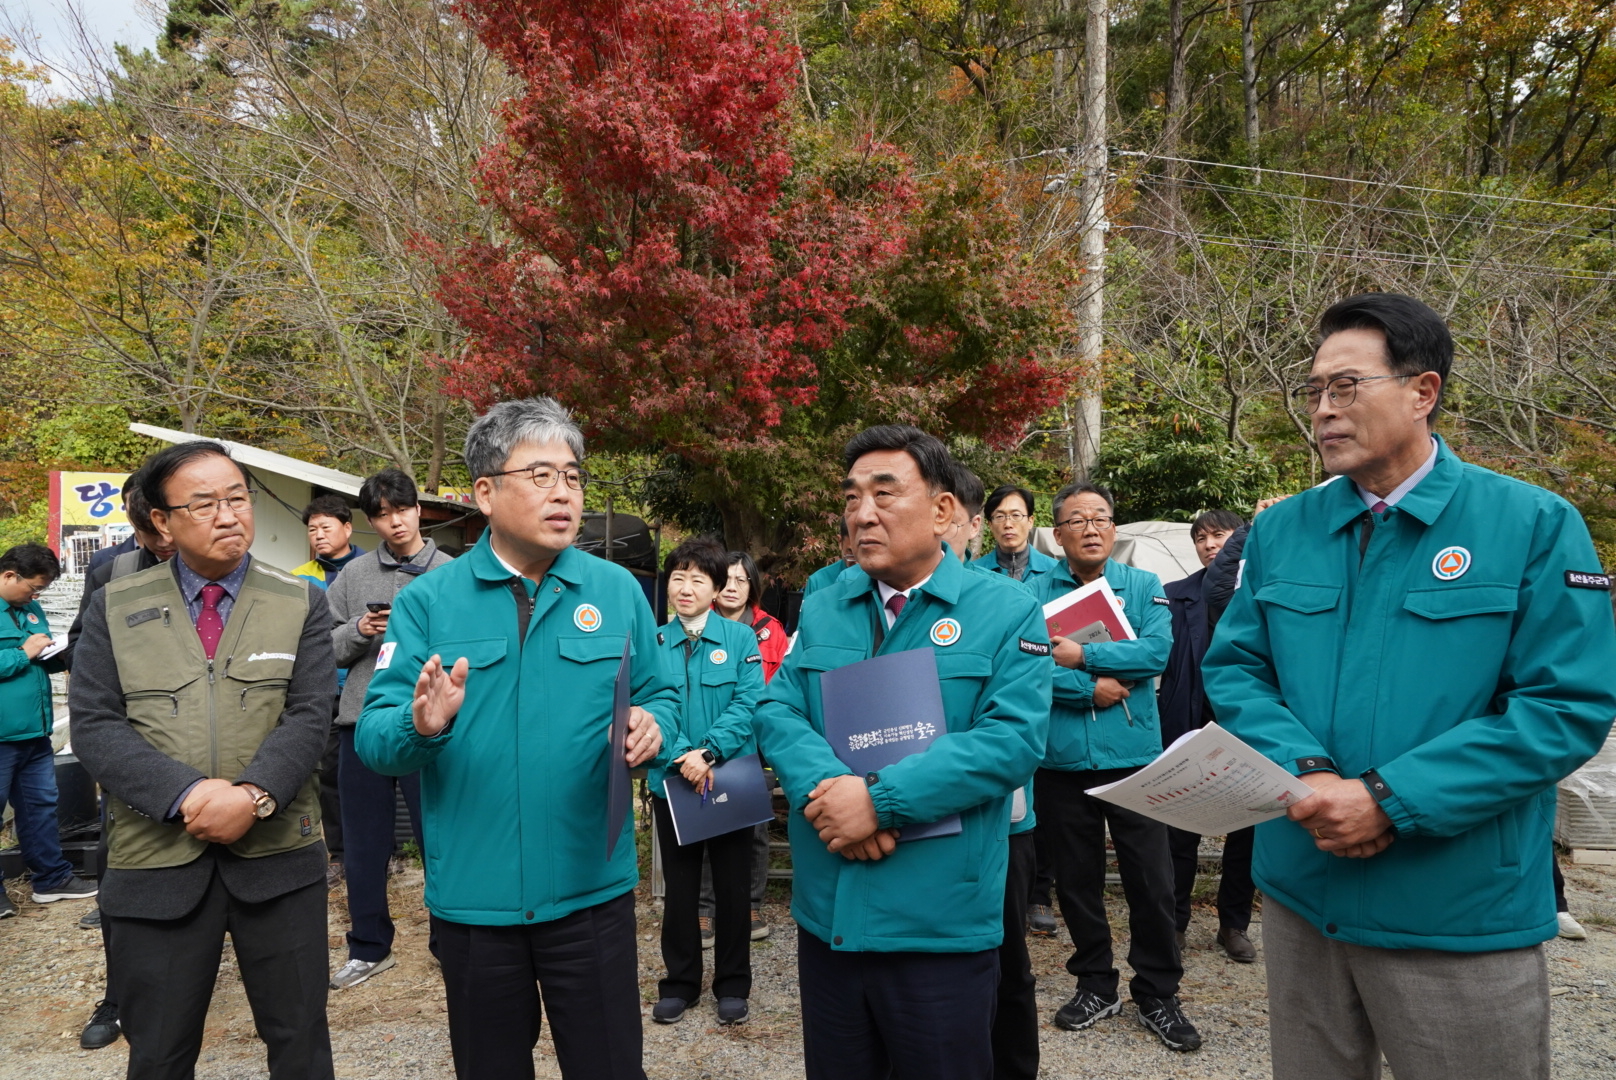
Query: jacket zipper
point(173, 698)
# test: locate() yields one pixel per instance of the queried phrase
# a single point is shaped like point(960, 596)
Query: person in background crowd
point(716, 665)
point(329, 523)
point(966, 531)
point(1099, 731)
point(1567, 925)
point(496, 683)
point(201, 696)
point(826, 575)
point(1428, 645)
point(1183, 709)
point(27, 759)
point(1010, 518)
point(897, 943)
point(360, 599)
point(131, 483)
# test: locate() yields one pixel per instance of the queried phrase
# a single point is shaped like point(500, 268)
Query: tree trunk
point(1084, 447)
point(1248, 72)
point(1177, 103)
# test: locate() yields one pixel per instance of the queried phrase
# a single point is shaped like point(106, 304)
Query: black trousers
point(731, 859)
point(330, 790)
point(1043, 881)
point(896, 1015)
point(1560, 904)
point(584, 968)
point(367, 829)
point(1077, 825)
point(101, 854)
point(1236, 890)
point(1015, 1027)
point(166, 969)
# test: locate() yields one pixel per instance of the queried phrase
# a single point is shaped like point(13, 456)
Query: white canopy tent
point(1162, 547)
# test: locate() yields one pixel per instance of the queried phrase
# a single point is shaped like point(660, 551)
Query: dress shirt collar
point(192, 583)
point(1370, 498)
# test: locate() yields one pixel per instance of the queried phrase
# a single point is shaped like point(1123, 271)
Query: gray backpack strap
point(125, 564)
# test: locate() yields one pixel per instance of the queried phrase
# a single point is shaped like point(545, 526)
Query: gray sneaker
point(7, 908)
point(355, 972)
point(74, 888)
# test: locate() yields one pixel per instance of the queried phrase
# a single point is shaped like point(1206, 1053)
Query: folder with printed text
point(738, 799)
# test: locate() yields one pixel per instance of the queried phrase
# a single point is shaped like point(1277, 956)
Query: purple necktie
point(1379, 507)
point(209, 627)
point(895, 604)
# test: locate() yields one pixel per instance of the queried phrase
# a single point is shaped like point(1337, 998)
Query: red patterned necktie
point(209, 627)
point(895, 604)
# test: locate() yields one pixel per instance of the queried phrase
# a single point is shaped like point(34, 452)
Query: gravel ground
point(394, 1028)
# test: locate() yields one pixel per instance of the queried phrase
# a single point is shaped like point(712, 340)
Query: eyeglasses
point(1006, 517)
point(545, 478)
point(1083, 524)
point(1343, 391)
point(208, 509)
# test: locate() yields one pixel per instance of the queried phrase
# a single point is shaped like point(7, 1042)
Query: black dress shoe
point(1041, 920)
point(670, 1010)
point(732, 1010)
point(103, 1028)
point(92, 921)
point(1237, 945)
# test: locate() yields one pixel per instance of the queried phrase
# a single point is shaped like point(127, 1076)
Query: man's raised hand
point(438, 695)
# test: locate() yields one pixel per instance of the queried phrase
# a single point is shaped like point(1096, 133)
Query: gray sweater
point(375, 578)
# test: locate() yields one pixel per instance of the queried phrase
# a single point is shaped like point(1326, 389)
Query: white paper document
point(56, 646)
point(1208, 782)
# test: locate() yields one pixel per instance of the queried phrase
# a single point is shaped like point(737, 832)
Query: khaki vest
point(210, 714)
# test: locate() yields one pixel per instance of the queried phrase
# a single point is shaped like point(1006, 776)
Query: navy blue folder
point(619, 785)
point(879, 711)
point(738, 799)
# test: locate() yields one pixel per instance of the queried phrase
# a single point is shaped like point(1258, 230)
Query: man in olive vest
point(201, 698)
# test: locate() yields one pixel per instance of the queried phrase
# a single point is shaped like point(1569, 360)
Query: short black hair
point(1216, 520)
point(165, 463)
point(1003, 492)
point(135, 506)
point(29, 561)
point(1417, 340)
point(931, 457)
point(702, 553)
point(841, 527)
point(754, 580)
point(332, 506)
point(393, 485)
point(968, 489)
point(1083, 487)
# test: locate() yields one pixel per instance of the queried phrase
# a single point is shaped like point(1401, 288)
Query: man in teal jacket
point(1099, 732)
point(1430, 646)
point(896, 947)
point(495, 681)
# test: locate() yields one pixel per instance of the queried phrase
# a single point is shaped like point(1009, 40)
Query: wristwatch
point(263, 802)
point(708, 756)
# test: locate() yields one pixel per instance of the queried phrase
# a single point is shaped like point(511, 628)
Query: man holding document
point(1429, 646)
point(897, 943)
point(496, 681)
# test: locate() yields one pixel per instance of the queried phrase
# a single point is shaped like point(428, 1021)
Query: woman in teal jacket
point(716, 665)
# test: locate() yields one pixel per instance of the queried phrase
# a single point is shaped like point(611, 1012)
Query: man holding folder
point(897, 946)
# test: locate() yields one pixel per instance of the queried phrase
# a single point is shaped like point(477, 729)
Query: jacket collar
point(419, 561)
point(568, 565)
point(1425, 503)
point(1062, 573)
point(945, 581)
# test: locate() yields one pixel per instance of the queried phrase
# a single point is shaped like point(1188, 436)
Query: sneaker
point(355, 972)
point(670, 1010)
point(1085, 1010)
point(1570, 928)
point(760, 929)
point(7, 908)
point(74, 888)
point(708, 938)
point(334, 874)
point(103, 1028)
point(1237, 945)
point(92, 921)
point(732, 1010)
point(1041, 920)
point(1167, 1020)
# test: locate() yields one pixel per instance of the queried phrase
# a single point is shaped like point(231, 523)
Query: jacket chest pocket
point(591, 648)
point(962, 675)
point(478, 652)
point(1458, 601)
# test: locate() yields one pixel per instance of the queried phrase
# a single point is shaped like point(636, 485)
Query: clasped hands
point(1343, 817)
point(218, 811)
point(841, 810)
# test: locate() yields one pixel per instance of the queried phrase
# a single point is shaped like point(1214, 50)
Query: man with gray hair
point(495, 681)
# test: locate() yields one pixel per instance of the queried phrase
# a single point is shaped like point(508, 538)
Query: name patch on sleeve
point(1162, 600)
point(1578, 579)
point(1034, 648)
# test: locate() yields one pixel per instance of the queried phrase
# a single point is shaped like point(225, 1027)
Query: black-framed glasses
point(544, 477)
point(1343, 391)
point(1083, 524)
point(208, 509)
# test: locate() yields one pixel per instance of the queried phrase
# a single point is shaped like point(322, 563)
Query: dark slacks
point(731, 859)
point(166, 969)
point(1043, 881)
point(1560, 904)
point(583, 966)
point(1077, 825)
point(1236, 890)
point(331, 790)
point(760, 872)
point(896, 1015)
point(367, 833)
point(1015, 1027)
point(101, 852)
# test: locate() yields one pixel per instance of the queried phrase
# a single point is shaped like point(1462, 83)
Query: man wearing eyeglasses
point(1100, 731)
point(1010, 519)
point(201, 698)
point(1429, 646)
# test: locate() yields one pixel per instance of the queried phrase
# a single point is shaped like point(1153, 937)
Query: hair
point(1417, 340)
point(754, 580)
point(29, 561)
point(1216, 520)
point(496, 434)
point(394, 485)
point(968, 489)
point(841, 527)
point(162, 466)
point(931, 457)
point(1083, 487)
point(1004, 492)
point(702, 553)
point(333, 506)
point(135, 505)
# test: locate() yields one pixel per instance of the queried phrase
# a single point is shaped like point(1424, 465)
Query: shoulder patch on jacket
point(1162, 600)
point(1034, 648)
point(276, 574)
point(1579, 579)
point(755, 658)
point(147, 615)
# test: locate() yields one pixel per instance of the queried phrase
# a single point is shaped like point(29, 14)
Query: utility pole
point(1094, 159)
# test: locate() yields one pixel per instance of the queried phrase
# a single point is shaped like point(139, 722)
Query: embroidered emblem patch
point(383, 658)
point(33, 618)
point(587, 618)
point(718, 656)
point(280, 656)
point(945, 632)
point(1578, 579)
point(1034, 648)
point(763, 634)
point(1450, 563)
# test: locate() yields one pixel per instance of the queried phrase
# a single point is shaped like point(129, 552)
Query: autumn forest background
point(730, 234)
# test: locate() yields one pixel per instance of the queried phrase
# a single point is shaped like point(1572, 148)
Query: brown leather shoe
point(1237, 945)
